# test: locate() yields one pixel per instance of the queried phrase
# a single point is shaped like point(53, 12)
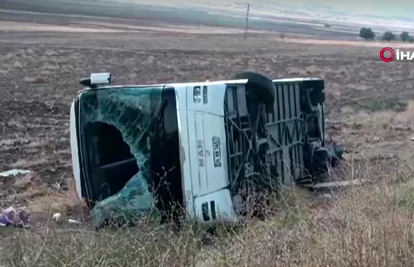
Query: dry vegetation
point(367, 108)
point(371, 226)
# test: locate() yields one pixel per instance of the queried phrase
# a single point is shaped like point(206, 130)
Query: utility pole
point(247, 20)
point(2, 9)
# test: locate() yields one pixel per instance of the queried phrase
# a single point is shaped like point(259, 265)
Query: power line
point(247, 20)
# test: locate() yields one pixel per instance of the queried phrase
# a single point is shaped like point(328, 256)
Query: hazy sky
point(375, 7)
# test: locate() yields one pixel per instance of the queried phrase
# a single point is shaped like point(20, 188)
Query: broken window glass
point(120, 179)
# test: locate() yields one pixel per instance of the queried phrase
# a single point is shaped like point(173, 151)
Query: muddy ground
point(39, 72)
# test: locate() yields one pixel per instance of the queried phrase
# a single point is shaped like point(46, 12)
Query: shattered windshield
point(131, 113)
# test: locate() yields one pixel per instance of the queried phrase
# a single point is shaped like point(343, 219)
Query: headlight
point(197, 95)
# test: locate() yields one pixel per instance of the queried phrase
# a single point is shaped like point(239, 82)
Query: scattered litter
point(14, 173)
point(57, 217)
point(74, 221)
point(412, 139)
point(327, 196)
point(17, 218)
point(336, 184)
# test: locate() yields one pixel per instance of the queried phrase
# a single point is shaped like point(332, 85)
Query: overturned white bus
point(200, 146)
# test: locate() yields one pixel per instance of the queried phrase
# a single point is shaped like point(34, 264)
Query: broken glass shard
point(116, 127)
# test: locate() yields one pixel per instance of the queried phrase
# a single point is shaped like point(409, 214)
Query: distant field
point(142, 14)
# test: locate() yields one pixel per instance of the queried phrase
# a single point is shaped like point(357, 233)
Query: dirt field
point(367, 99)
point(40, 73)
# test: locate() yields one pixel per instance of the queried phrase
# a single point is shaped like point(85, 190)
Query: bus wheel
point(261, 86)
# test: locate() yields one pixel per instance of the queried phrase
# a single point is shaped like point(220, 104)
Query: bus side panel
point(74, 147)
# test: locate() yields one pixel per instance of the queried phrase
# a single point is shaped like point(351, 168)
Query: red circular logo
point(382, 54)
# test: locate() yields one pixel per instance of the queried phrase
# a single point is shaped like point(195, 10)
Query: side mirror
point(96, 79)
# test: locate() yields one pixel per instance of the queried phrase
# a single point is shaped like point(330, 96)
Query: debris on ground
point(14, 173)
point(339, 184)
point(327, 196)
point(57, 217)
point(74, 221)
point(17, 218)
